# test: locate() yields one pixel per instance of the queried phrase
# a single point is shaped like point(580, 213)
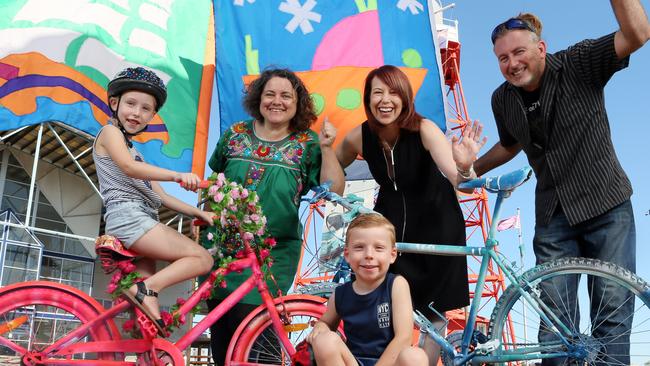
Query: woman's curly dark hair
point(305, 114)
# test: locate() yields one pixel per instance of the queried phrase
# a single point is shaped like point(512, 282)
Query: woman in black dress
point(417, 169)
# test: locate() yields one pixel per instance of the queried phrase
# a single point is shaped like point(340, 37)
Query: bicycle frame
point(256, 279)
point(67, 346)
point(503, 186)
point(487, 253)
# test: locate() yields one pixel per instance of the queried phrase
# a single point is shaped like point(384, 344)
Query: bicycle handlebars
point(202, 185)
point(504, 183)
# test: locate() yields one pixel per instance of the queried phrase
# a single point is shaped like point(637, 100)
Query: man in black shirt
point(551, 106)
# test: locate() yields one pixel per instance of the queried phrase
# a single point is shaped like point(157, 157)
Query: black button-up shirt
point(578, 167)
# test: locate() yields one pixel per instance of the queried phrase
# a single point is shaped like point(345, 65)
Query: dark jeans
point(609, 237)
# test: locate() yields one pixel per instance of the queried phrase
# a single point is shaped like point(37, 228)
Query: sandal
point(138, 300)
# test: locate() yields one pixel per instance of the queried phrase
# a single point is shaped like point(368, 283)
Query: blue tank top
point(367, 319)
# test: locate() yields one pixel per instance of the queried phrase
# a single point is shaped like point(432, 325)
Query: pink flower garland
point(239, 217)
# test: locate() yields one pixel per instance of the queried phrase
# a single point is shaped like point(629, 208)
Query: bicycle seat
point(505, 182)
point(111, 251)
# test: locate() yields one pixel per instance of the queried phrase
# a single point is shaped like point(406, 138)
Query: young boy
point(375, 308)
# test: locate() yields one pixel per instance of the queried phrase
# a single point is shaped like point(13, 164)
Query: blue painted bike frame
point(503, 186)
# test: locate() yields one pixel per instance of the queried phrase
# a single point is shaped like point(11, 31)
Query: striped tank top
point(115, 186)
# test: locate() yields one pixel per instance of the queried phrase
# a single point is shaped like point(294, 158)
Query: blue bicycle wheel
point(603, 310)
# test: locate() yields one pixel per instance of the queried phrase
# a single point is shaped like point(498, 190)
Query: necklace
point(390, 160)
point(387, 146)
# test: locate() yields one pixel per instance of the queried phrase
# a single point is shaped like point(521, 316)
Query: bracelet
point(466, 174)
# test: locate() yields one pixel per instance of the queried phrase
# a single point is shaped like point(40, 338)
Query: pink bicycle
point(89, 336)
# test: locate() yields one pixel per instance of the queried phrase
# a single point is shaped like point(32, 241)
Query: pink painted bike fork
point(278, 324)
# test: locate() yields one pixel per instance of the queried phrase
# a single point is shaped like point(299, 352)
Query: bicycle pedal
point(487, 347)
point(421, 321)
point(146, 325)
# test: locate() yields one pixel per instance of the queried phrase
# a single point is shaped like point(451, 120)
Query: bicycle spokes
point(604, 309)
point(37, 315)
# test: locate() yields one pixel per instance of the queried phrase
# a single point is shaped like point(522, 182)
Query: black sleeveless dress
point(423, 206)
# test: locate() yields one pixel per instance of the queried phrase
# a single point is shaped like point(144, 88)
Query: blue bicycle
point(546, 321)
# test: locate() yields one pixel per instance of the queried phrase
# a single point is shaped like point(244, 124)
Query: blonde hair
point(366, 221)
point(534, 21)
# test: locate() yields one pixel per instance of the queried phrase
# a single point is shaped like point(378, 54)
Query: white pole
point(521, 239)
point(521, 259)
point(74, 159)
point(32, 184)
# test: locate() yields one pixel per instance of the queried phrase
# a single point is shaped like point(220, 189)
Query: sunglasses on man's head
point(512, 23)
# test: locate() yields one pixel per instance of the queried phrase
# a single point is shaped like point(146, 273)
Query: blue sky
point(564, 23)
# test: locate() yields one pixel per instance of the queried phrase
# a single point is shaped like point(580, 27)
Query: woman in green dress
point(279, 157)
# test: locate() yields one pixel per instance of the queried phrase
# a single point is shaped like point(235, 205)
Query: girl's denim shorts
point(129, 220)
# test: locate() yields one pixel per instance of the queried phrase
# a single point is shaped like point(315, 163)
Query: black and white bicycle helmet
point(140, 79)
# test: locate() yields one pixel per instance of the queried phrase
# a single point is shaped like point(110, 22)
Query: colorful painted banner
point(332, 44)
point(56, 57)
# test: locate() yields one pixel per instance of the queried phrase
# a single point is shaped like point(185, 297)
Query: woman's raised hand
point(327, 133)
point(466, 147)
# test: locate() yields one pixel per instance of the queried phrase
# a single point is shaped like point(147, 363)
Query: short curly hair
point(305, 111)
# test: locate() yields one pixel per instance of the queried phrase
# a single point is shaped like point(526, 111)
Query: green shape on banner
point(411, 58)
point(363, 7)
point(348, 98)
point(252, 57)
point(319, 103)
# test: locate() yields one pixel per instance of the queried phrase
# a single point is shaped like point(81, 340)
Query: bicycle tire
point(255, 339)
point(601, 275)
point(45, 303)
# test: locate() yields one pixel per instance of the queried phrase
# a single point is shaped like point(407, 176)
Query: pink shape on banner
point(7, 71)
point(354, 41)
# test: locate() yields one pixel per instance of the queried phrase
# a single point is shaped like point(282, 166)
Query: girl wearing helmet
point(132, 195)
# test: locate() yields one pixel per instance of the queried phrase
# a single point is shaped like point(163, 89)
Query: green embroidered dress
point(280, 172)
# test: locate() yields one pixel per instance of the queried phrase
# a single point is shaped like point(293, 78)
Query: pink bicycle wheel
point(256, 342)
point(53, 310)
